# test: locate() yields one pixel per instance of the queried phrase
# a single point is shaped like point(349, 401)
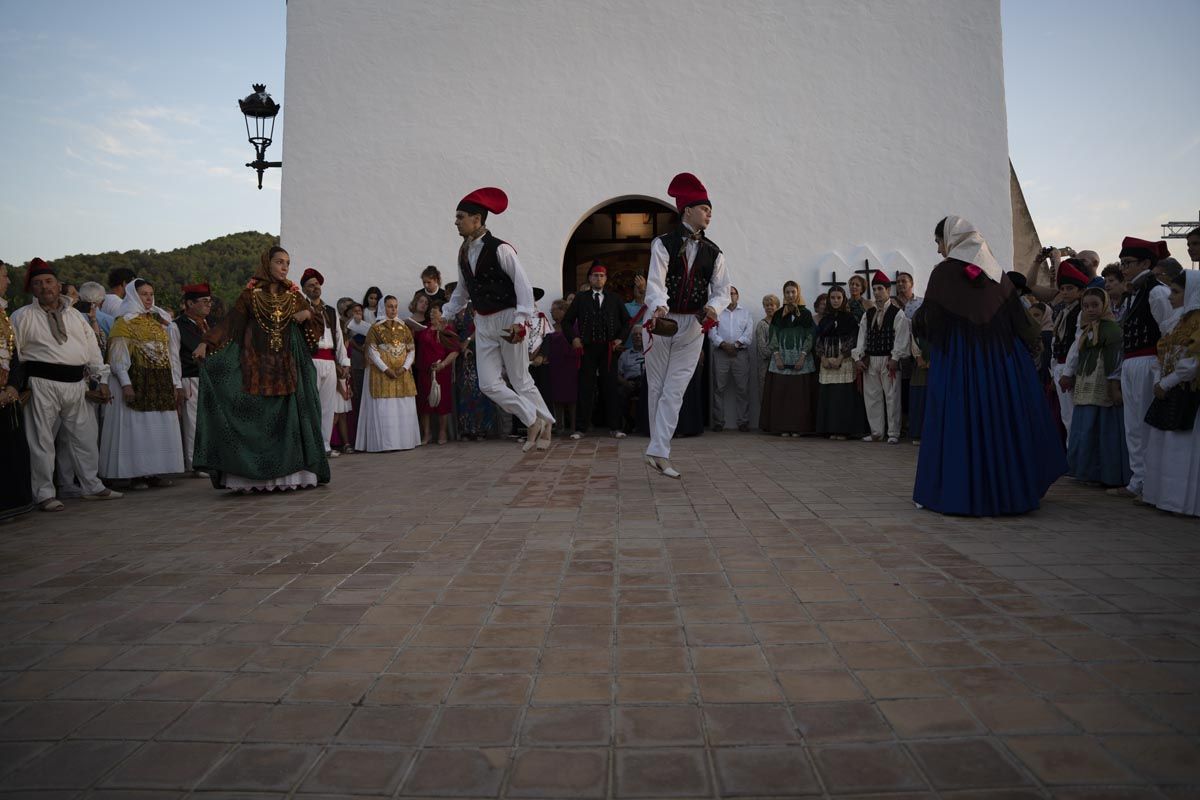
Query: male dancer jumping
point(688, 283)
point(491, 277)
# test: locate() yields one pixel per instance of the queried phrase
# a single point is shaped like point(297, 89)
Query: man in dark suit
point(603, 323)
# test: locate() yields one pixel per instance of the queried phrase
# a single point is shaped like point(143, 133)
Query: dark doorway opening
point(619, 234)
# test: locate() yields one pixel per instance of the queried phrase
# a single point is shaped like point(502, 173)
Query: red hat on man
point(195, 291)
point(688, 191)
point(312, 273)
point(37, 267)
point(487, 199)
point(597, 267)
point(1132, 247)
point(1069, 274)
point(1163, 252)
point(880, 278)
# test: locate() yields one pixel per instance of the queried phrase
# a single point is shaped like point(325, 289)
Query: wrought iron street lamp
point(262, 109)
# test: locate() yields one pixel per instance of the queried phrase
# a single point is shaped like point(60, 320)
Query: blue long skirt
point(989, 446)
point(1097, 451)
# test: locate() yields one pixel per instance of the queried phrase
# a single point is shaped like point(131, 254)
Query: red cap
point(312, 273)
point(489, 198)
point(880, 278)
point(1069, 274)
point(196, 290)
point(687, 190)
point(37, 267)
point(1133, 247)
point(603, 270)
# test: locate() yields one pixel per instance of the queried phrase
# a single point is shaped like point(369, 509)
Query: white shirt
point(507, 257)
point(910, 308)
point(1160, 300)
point(732, 326)
point(331, 339)
point(36, 342)
point(656, 281)
point(112, 305)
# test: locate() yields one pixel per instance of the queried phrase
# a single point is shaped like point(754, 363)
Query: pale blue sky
point(121, 130)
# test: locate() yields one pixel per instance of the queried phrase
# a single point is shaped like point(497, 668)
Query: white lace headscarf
point(965, 243)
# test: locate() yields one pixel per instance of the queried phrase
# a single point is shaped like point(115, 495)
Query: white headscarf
point(132, 306)
point(1191, 300)
point(965, 243)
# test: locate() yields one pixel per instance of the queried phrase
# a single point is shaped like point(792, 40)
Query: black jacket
point(597, 324)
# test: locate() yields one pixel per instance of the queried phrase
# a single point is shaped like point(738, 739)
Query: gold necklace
point(8, 336)
point(273, 312)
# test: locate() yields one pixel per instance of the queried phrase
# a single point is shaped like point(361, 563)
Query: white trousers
point(55, 406)
point(1066, 400)
point(670, 363)
point(1137, 390)
point(327, 391)
point(881, 393)
point(64, 467)
point(187, 419)
point(495, 357)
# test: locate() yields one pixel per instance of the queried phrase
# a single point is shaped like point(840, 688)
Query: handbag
point(1176, 411)
point(435, 389)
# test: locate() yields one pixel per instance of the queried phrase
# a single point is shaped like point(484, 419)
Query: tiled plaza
point(469, 621)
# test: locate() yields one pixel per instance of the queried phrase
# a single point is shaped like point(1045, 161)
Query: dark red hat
point(880, 278)
point(312, 273)
point(597, 267)
point(489, 198)
point(1163, 252)
point(195, 291)
point(37, 267)
point(1069, 274)
point(688, 191)
point(1133, 247)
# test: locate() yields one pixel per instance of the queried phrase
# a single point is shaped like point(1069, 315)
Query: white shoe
point(663, 466)
point(916, 442)
point(107, 494)
point(577, 435)
point(618, 434)
point(869, 439)
point(893, 440)
point(533, 432)
point(543, 442)
point(332, 454)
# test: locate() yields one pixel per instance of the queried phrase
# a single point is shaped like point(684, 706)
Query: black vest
point(687, 294)
point(490, 288)
point(881, 339)
point(189, 339)
point(1138, 325)
point(1062, 346)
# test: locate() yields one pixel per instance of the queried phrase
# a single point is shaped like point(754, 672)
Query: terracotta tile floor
point(469, 621)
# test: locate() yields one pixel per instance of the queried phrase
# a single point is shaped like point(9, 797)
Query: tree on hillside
point(225, 263)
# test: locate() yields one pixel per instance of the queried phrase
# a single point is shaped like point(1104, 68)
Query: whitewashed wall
point(819, 127)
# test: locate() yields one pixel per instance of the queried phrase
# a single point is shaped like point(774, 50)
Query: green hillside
point(225, 263)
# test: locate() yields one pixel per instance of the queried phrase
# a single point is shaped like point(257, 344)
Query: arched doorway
point(619, 233)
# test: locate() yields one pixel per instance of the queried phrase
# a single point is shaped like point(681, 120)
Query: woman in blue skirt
point(989, 446)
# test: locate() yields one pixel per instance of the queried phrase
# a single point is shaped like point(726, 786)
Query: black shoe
point(743, 428)
point(718, 428)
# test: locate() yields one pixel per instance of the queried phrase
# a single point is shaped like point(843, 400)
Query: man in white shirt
point(331, 359)
point(687, 283)
point(117, 279)
point(731, 360)
point(1146, 310)
point(883, 339)
point(59, 350)
point(491, 278)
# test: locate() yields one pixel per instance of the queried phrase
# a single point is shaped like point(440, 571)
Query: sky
point(120, 130)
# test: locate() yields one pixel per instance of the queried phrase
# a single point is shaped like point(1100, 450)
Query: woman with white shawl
point(141, 440)
point(989, 445)
point(387, 417)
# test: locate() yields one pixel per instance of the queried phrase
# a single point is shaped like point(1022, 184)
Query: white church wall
point(818, 127)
